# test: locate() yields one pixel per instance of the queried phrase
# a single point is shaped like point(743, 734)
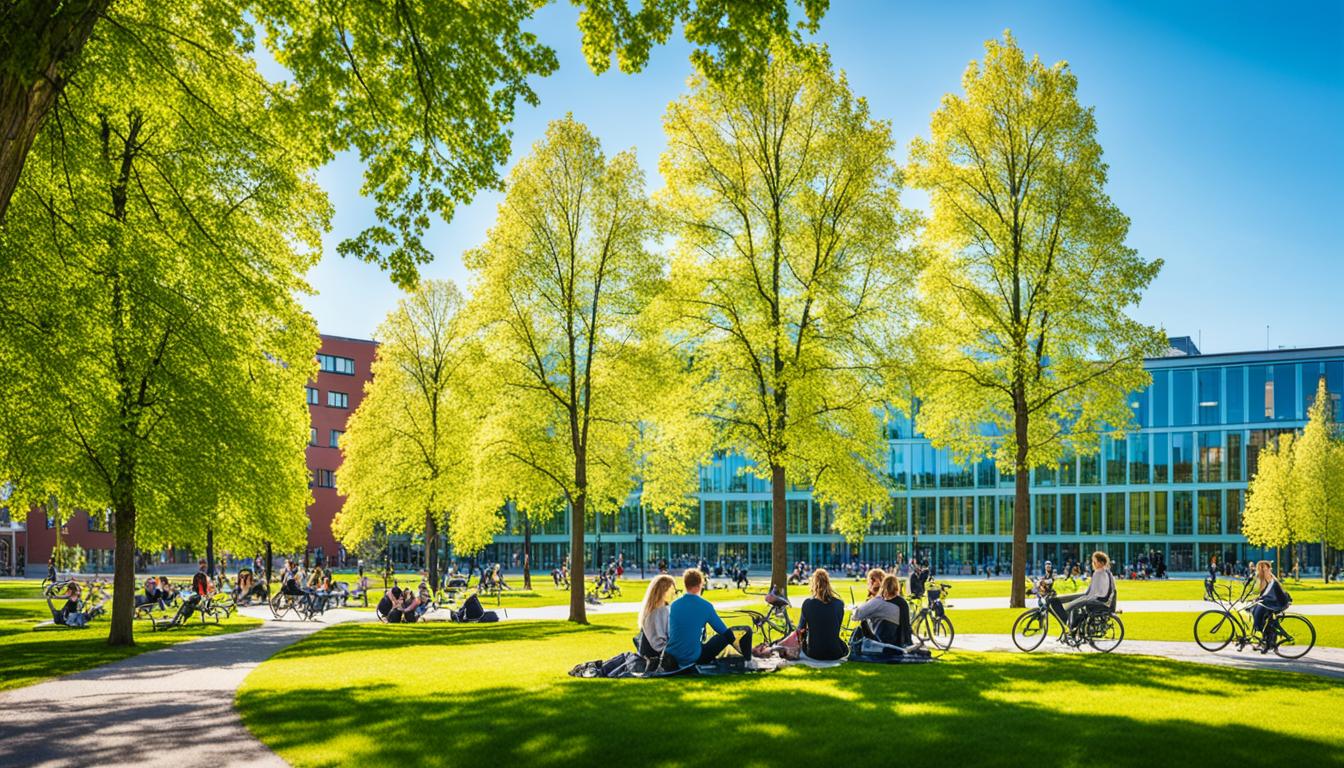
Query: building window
point(338, 400)
point(312, 435)
point(1209, 395)
point(1182, 457)
point(1182, 398)
point(1160, 405)
point(1046, 520)
point(1210, 457)
point(1210, 513)
point(1182, 513)
point(334, 364)
point(1140, 514)
point(335, 439)
point(1234, 458)
point(325, 478)
point(314, 398)
point(1160, 513)
point(51, 521)
point(1089, 514)
point(98, 521)
point(1236, 395)
point(713, 517)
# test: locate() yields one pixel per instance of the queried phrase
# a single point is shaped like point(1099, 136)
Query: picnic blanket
point(628, 665)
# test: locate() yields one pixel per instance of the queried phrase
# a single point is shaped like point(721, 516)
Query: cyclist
point(1100, 592)
point(1272, 600)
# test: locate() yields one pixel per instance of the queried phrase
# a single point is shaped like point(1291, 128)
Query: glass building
point(1176, 485)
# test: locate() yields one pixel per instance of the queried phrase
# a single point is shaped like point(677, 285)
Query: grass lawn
point(28, 656)
point(498, 694)
point(20, 588)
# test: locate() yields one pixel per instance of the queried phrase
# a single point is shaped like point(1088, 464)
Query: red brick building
point(344, 367)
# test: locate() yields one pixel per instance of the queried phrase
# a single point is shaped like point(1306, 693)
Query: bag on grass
point(489, 617)
point(471, 610)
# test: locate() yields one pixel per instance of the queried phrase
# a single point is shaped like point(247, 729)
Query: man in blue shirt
point(686, 621)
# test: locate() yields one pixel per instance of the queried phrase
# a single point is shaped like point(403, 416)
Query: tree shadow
point(972, 709)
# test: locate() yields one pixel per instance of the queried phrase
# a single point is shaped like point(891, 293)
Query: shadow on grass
point(359, 638)
point(970, 710)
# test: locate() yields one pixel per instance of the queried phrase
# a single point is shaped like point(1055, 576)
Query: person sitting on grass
point(885, 615)
point(653, 615)
point(686, 620)
point(200, 581)
point(167, 590)
point(390, 607)
point(822, 615)
point(1272, 599)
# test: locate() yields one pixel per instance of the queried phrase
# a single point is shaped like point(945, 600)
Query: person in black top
point(919, 577)
point(823, 613)
point(389, 605)
point(1272, 600)
point(51, 570)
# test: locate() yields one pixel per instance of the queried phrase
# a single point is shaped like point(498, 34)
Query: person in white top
point(653, 615)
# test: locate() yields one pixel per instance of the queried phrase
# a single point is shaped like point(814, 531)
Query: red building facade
point(344, 367)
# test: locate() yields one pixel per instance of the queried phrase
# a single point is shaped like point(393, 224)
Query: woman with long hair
point(823, 614)
point(653, 615)
point(1272, 600)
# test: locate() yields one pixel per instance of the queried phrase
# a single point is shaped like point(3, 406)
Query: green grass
point(11, 589)
point(498, 694)
point(28, 656)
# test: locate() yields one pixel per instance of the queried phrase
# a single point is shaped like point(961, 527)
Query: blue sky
point(1223, 124)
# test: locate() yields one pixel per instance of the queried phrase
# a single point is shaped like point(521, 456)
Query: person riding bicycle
point(1272, 599)
point(686, 620)
point(1100, 592)
point(653, 615)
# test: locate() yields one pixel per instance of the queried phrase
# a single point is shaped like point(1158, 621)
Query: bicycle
point(774, 624)
point(930, 623)
point(303, 605)
point(1100, 627)
point(1216, 628)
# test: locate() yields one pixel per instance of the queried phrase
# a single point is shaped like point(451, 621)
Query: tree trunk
point(210, 551)
point(527, 551)
point(123, 576)
point(45, 38)
point(1325, 571)
point(1021, 501)
point(779, 538)
point(432, 550)
point(268, 570)
point(578, 611)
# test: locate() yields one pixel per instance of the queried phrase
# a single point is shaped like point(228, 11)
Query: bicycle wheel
point(941, 633)
point(280, 605)
point(1214, 630)
point(1029, 631)
point(1297, 636)
point(1108, 639)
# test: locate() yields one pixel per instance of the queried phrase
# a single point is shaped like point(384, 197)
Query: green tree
point(1025, 348)
point(1269, 520)
point(791, 274)
point(154, 350)
point(562, 280)
point(405, 447)
point(424, 92)
point(1318, 478)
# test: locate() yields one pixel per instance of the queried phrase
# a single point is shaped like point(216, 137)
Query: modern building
point(344, 366)
point(1176, 486)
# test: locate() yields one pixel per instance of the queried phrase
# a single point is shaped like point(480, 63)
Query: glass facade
point(1173, 483)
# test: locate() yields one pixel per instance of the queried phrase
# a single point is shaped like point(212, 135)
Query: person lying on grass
point(687, 618)
point(653, 615)
point(819, 626)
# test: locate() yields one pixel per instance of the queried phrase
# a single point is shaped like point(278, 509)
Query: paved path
point(1321, 661)
point(96, 717)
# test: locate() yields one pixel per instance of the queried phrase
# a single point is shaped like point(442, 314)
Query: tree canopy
point(423, 92)
point(1025, 345)
point(1317, 476)
point(791, 273)
point(1269, 520)
point(154, 350)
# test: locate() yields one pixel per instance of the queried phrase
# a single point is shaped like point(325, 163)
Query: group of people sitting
point(401, 606)
point(672, 629)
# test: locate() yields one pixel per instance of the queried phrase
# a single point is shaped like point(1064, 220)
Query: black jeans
point(710, 650)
